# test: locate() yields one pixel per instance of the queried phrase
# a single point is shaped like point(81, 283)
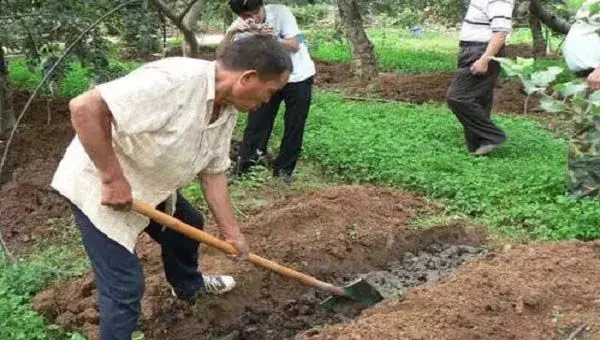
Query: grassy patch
point(399, 51)
point(253, 192)
point(19, 281)
point(396, 51)
point(76, 78)
point(519, 189)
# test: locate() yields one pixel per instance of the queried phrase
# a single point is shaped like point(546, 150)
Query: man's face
point(249, 91)
point(258, 15)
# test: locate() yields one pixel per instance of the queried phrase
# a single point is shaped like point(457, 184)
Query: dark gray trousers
point(470, 97)
point(118, 272)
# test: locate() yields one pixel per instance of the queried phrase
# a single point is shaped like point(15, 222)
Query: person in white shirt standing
point(257, 18)
point(582, 44)
point(471, 91)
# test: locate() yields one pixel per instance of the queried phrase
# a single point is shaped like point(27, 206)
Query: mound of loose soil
point(336, 234)
point(26, 199)
point(540, 292)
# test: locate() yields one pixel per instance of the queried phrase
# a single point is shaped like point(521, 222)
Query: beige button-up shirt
point(162, 136)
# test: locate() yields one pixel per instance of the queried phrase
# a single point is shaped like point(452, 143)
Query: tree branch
point(555, 22)
point(31, 39)
point(186, 10)
point(177, 20)
point(47, 75)
point(168, 13)
point(190, 20)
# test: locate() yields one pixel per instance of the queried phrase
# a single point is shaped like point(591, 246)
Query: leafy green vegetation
point(21, 280)
point(520, 190)
point(76, 79)
point(396, 50)
point(400, 51)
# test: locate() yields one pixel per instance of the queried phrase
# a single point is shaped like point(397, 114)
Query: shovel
point(358, 291)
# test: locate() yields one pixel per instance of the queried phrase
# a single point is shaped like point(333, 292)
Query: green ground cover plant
point(399, 51)
point(20, 280)
point(519, 190)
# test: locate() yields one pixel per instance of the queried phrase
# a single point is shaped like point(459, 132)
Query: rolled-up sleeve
point(500, 15)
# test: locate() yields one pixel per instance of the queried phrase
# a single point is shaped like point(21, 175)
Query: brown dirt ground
point(535, 292)
point(417, 89)
point(26, 199)
point(520, 292)
point(309, 233)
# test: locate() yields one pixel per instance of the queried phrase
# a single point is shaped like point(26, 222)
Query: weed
point(353, 232)
point(20, 280)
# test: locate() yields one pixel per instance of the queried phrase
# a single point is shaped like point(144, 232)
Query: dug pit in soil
point(336, 234)
point(413, 269)
point(545, 291)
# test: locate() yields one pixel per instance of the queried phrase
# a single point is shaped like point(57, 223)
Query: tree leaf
point(548, 104)
point(594, 98)
point(543, 78)
point(509, 66)
point(570, 88)
point(530, 87)
point(525, 62)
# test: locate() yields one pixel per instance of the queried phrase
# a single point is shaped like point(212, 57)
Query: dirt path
point(417, 89)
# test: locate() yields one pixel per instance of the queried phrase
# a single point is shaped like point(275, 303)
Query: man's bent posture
point(146, 135)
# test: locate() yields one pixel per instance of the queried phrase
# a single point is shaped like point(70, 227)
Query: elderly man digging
point(145, 135)
point(471, 92)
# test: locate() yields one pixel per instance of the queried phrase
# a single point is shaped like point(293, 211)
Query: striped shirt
point(486, 17)
point(162, 136)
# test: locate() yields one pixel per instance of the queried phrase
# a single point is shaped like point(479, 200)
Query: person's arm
point(216, 194)
point(92, 121)
point(494, 46)
point(289, 31)
point(291, 44)
point(500, 16)
point(227, 40)
point(238, 26)
point(593, 79)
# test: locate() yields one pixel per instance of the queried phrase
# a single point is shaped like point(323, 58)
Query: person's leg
point(180, 255)
point(297, 98)
point(470, 99)
point(256, 134)
point(119, 280)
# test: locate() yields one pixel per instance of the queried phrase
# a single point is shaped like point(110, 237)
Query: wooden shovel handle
point(206, 238)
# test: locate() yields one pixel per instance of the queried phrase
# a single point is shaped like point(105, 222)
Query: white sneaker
point(218, 284)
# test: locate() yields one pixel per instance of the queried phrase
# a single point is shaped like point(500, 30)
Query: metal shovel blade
point(359, 291)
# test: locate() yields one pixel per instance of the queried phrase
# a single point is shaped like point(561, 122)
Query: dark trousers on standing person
point(470, 97)
point(118, 273)
point(297, 98)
